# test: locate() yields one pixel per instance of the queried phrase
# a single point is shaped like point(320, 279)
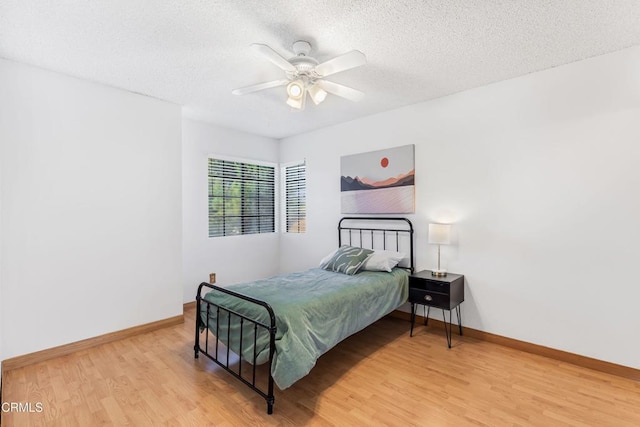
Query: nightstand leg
point(413, 318)
point(426, 315)
point(447, 331)
point(459, 313)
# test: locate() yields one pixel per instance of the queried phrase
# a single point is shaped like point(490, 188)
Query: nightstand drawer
point(434, 299)
point(431, 285)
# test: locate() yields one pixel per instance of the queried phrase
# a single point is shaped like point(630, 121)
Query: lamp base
point(439, 273)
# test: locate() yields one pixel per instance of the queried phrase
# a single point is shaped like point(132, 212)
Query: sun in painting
point(384, 162)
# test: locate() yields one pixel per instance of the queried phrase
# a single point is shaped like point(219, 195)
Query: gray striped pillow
point(347, 260)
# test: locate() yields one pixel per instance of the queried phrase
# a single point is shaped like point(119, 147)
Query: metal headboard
point(387, 233)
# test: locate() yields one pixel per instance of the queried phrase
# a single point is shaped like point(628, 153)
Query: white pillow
point(383, 260)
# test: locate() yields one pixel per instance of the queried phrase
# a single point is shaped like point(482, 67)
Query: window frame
point(250, 162)
point(283, 200)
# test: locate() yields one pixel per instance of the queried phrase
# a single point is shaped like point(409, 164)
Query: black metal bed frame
point(385, 231)
point(270, 327)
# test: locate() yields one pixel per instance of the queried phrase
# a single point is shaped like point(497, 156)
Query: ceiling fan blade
point(273, 56)
point(349, 60)
point(259, 86)
point(340, 90)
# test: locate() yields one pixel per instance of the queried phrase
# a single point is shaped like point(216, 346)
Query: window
point(295, 198)
point(241, 198)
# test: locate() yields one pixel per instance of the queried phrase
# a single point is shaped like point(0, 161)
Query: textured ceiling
point(194, 53)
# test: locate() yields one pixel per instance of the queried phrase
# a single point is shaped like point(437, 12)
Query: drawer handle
point(428, 297)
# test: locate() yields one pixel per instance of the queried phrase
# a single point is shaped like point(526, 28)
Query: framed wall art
point(378, 182)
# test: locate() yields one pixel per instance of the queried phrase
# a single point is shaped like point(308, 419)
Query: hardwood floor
point(379, 376)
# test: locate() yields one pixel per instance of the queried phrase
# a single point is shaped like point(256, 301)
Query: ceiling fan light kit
point(306, 75)
point(317, 94)
point(295, 89)
point(296, 92)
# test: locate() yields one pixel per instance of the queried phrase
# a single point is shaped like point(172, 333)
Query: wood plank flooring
point(379, 376)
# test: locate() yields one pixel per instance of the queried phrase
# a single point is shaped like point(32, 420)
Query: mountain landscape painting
point(380, 181)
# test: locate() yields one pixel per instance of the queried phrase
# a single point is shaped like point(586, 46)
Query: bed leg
point(196, 345)
point(270, 406)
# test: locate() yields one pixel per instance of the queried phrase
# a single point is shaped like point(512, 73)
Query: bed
point(289, 321)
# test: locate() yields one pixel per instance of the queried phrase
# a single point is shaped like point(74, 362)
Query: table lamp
point(439, 235)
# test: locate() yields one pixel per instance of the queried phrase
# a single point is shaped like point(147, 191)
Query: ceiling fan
point(304, 74)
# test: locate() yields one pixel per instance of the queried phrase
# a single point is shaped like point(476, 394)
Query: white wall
point(540, 176)
point(233, 258)
point(91, 209)
point(1, 323)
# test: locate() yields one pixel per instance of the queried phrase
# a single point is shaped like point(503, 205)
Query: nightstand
point(445, 293)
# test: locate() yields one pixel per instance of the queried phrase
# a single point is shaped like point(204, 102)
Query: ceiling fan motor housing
point(305, 65)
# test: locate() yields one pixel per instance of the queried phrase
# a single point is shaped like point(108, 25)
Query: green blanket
point(315, 310)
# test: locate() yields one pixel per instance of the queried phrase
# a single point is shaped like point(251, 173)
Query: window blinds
point(241, 198)
point(296, 198)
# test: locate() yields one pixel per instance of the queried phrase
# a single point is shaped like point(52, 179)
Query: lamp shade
point(295, 89)
point(439, 233)
point(317, 95)
point(296, 92)
point(296, 103)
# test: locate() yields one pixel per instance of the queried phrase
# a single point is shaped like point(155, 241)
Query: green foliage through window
point(241, 198)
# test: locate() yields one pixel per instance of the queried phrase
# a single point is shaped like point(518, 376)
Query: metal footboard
point(210, 308)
